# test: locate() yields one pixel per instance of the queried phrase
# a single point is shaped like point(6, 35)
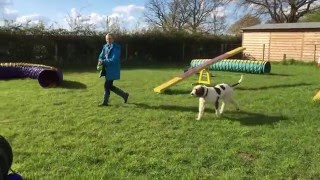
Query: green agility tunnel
point(236, 65)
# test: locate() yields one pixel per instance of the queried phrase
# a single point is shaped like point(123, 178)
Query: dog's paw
point(198, 119)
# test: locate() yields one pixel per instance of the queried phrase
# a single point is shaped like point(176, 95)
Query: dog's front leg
point(201, 108)
point(216, 107)
point(222, 107)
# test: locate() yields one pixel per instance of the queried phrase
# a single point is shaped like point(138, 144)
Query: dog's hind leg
point(201, 109)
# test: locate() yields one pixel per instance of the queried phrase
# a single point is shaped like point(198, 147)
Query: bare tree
point(191, 15)
point(178, 15)
point(215, 25)
point(219, 25)
point(245, 21)
point(200, 11)
point(282, 11)
point(205, 16)
point(80, 24)
point(114, 25)
point(170, 15)
point(106, 24)
point(156, 13)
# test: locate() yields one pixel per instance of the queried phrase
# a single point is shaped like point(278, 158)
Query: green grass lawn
point(61, 133)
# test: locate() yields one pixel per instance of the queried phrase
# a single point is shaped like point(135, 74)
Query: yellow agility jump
point(196, 69)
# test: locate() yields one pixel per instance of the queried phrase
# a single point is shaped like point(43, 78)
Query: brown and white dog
point(223, 92)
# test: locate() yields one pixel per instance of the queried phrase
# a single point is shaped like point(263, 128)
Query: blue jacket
point(110, 57)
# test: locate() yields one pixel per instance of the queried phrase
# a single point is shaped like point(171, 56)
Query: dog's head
point(198, 90)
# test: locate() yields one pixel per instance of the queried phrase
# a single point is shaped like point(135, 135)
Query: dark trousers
point(108, 86)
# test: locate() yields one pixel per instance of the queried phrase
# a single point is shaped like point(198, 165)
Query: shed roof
point(285, 26)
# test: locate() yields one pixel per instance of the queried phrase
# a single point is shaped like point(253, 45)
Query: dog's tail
point(240, 80)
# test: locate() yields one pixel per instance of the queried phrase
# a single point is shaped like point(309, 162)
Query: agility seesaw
point(196, 69)
point(316, 98)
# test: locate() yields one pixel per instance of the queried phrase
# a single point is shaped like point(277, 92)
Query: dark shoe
point(105, 100)
point(126, 96)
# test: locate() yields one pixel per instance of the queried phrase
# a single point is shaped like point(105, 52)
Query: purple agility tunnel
point(47, 76)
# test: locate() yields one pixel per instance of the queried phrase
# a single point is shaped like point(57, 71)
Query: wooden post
point(315, 53)
point(263, 48)
point(284, 57)
point(221, 48)
point(126, 52)
point(56, 52)
point(183, 51)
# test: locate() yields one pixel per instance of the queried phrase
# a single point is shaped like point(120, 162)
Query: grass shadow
point(277, 74)
point(72, 85)
point(167, 107)
point(176, 91)
point(245, 118)
point(252, 118)
point(273, 87)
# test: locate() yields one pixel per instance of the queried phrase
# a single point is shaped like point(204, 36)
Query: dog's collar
point(206, 93)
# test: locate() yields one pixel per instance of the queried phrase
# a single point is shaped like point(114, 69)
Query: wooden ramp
point(317, 97)
point(196, 69)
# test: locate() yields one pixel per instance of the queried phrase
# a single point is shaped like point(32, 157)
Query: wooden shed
point(276, 42)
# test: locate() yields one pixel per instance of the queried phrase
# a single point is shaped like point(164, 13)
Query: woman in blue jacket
point(109, 58)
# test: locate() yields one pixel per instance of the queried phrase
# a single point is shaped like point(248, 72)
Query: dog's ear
point(200, 91)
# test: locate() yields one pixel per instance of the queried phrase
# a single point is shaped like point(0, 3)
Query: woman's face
point(109, 39)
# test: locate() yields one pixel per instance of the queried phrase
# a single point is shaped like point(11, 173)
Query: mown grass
point(61, 133)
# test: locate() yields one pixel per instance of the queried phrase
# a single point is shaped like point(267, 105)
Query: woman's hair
point(110, 34)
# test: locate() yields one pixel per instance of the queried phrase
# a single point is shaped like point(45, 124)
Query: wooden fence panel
point(256, 44)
